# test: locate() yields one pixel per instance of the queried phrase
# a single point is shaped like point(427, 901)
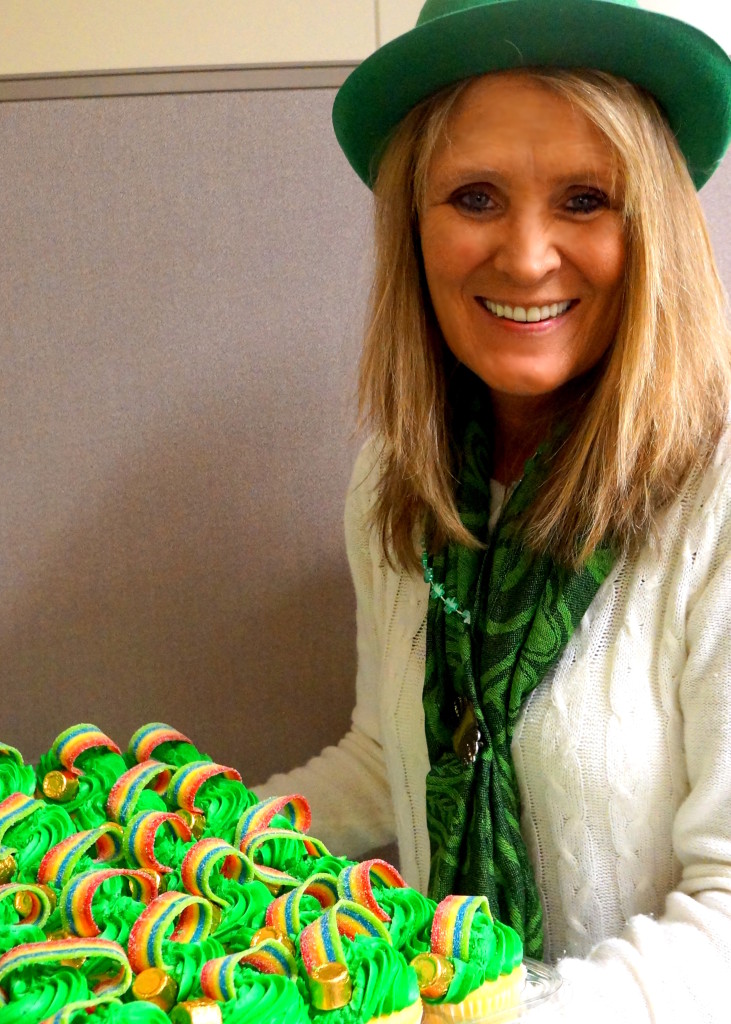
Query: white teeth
point(532, 315)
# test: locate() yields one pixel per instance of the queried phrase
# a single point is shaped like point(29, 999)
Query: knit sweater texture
point(622, 754)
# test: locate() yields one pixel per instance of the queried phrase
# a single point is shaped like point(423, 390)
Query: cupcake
point(355, 975)
point(474, 967)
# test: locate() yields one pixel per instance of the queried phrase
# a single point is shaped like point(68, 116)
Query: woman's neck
point(520, 424)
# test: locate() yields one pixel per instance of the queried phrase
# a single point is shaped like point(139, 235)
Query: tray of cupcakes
point(149, 885)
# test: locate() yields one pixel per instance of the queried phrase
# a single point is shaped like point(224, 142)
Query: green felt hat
point(686, 71)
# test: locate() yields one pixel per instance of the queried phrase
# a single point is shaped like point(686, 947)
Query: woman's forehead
point(510, 121)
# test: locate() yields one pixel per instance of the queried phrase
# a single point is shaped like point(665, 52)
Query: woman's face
point(522, 237)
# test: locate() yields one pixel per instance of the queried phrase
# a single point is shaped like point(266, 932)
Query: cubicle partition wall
point(182, 286)
point(183, 278)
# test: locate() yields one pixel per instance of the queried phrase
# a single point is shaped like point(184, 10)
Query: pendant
point(467, 740)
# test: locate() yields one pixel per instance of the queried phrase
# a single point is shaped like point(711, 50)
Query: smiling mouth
point(529, 315)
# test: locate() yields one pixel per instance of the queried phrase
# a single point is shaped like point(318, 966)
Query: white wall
point(46, 36)
point(40, 36)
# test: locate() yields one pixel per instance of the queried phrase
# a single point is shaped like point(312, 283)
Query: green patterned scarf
point(521, 609)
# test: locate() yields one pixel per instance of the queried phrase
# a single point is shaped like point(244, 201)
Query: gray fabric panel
point(181, 287)
point(181, 291)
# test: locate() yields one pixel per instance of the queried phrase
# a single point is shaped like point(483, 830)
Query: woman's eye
point(473, 200)
point(588, 202)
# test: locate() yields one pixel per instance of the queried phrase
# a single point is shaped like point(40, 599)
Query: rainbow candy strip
point(268, 957)
point(194, 916)
point(283, 913)
point(78, 739)
point(252, 841)
point(40, 904)
point(13, 809)
point(353, 920)
point(187, 780)
point(275, 879)
point(7, 751)
point(150, 736)
point(51, 952)
point(452, 924)
point(320, 941)
point(295, 808)
point(138, 842)
point(200, 861)
point(355, 883)
point(125, 792)
point(61, 860)
point(77, 897)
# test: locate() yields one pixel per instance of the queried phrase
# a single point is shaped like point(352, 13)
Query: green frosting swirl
point(115, 915)
point(89, 807)
point(245, 915)
point(382, 981)
point(411, 919)
point(103, 764)
point(291, 855)
point(223, 801)
point(264, 997)
point(149, 800)
point(39, 992)
point(12, 935)
point(171, 851)
point(127, 1013)
point(101, 769)
point(185, 960)
point(176, 754)
point(15, 777)
point(301, 865)
point(310, 910)
point(46, 763)
point(34, 836)
point(8, 914)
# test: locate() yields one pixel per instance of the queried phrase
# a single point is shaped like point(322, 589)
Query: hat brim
point(687, 72)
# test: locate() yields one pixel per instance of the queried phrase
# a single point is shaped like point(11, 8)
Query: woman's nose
point(527, 249)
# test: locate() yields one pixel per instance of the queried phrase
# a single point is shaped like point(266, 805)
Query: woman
point(540, 529)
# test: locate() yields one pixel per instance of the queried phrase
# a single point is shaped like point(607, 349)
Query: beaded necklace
point(451, 605)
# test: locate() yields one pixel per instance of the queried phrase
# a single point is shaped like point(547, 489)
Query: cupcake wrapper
point(410, 1015)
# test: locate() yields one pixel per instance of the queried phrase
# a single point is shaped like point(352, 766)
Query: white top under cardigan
point(623, 757)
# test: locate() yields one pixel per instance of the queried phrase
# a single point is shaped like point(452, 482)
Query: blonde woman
point(540, 528)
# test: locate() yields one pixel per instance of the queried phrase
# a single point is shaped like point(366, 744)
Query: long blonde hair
point(655, 411)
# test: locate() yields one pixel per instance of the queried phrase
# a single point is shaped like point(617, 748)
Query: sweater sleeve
point(677, 968)
point(346, 785)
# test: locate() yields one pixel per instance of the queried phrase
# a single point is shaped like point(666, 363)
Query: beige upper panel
point(39, 37)
point(102, 35)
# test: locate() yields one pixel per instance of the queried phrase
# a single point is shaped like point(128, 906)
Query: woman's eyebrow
point(461, 174)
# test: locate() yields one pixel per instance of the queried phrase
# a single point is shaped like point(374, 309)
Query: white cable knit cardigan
point(623, 758)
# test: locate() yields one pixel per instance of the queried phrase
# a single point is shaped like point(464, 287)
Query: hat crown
point(681, 66)
point(434, 9)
